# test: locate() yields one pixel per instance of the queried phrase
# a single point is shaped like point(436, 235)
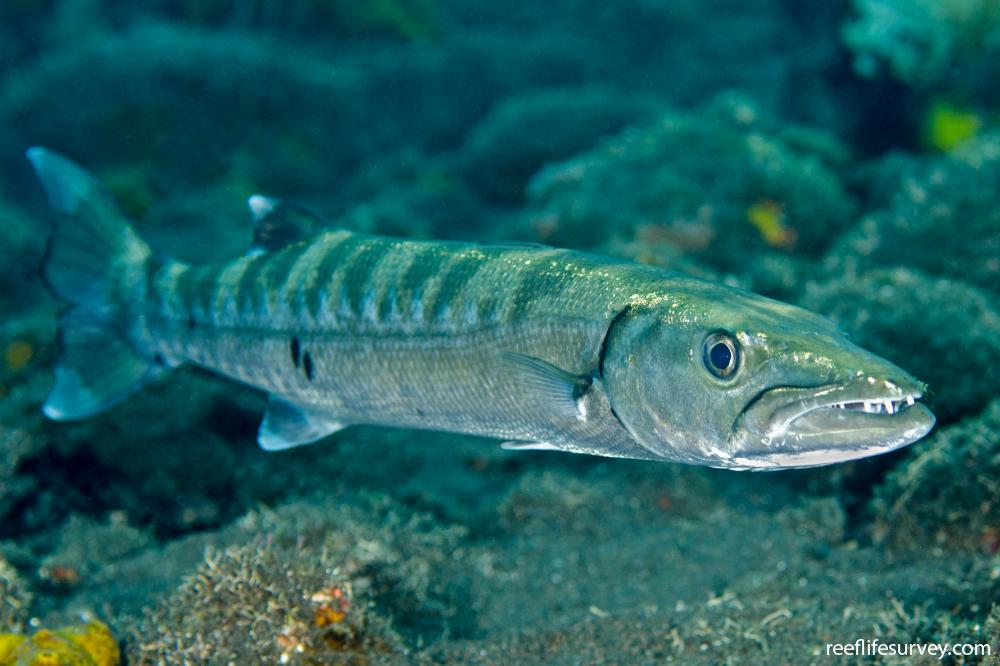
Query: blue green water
point(843, 156)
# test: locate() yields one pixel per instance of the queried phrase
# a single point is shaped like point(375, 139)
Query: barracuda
point(539, 347)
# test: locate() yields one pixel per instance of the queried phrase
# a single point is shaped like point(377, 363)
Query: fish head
point(711, 375)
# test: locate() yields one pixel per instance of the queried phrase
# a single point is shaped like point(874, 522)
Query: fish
point(539, 347)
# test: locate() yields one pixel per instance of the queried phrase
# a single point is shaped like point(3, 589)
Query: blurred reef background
point(841, 155)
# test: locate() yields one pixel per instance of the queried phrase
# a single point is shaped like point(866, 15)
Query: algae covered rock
point(251, 605)
point(146, 110)
point(528, 130)
point(407, 20)
point(942, 219)
point(412, 196)
point(84, 546)
point(722, 183)
point(946, 492)
point(320, 582)
point(946, 333)
point(26, 351)
point(949, 44)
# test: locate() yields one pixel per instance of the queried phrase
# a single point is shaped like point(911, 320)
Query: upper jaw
point(783, 409)
point(805, 427)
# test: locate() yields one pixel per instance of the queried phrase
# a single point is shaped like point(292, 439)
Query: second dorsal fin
point(279, 223)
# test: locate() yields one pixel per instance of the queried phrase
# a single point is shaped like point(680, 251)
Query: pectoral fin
point(287, 425)
point(562, 390)
point(529, 446)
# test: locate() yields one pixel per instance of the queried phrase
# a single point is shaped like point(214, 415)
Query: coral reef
point(931, 44)
point(941, 218)
point(927, 498)
point(720, 183)
point(528, 130)
point(320, 581)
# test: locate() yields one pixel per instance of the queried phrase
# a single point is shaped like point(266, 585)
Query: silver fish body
point(363, 329)
point(544, 347)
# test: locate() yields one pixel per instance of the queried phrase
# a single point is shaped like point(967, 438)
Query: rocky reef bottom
point(385, 546)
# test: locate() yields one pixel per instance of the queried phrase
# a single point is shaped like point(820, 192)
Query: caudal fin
point(94, 263)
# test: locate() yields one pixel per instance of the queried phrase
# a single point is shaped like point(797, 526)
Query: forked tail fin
point(96, 263)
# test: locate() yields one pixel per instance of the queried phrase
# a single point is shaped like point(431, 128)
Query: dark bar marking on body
point(307, 365)
point(329, 264)
point(450, 288)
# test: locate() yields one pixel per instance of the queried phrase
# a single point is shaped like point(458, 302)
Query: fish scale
point(393, 369)
point(549, 348)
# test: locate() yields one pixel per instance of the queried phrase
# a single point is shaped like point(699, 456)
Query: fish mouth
point(789, 427)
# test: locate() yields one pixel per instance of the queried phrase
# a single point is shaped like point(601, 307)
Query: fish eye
point(721, 354)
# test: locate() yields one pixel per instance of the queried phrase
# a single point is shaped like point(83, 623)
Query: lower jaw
point(802, 459)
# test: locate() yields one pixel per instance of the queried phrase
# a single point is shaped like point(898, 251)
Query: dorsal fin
point(278, 223)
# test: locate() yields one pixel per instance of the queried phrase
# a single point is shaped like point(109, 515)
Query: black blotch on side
point(158, 359)
point(295, 351)
point(191, 322)
point(307, 365)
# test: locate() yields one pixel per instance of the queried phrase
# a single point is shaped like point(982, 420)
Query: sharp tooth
point(888, 405)
point(868, 406)
point(909, 400)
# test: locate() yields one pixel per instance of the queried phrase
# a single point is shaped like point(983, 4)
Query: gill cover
point(655, 387)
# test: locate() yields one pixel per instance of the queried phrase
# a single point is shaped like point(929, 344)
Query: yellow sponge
point(89, 644)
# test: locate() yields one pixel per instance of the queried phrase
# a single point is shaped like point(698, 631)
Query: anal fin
point(287, 425)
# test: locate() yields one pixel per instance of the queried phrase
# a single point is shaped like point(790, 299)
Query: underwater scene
point(292, 374)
